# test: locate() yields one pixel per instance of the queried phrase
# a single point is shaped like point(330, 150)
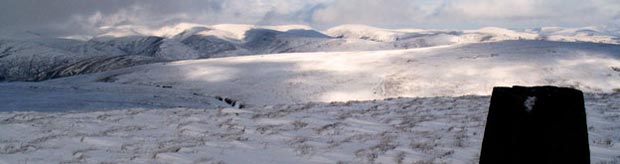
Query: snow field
point(401, 130)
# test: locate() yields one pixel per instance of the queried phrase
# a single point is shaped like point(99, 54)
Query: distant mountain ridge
point(35, 57)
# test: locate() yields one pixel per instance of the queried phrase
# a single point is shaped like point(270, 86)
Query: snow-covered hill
point(39, 59)
point(586, 34)
point(34, 57)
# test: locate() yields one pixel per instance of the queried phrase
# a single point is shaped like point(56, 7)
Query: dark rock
point(231, 102)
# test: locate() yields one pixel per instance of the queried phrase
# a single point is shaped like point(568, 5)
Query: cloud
point(383, 13)
point(157, 13)
point(535, 12)
point(470, 13)
point(62, 17)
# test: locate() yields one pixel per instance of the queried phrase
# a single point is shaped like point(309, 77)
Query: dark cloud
point(22, 13)
point(71, 16)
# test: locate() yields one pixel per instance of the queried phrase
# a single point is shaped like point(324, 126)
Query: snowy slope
point(40, 59)
point(341, 76)
point(41, 97)
point(404, 130)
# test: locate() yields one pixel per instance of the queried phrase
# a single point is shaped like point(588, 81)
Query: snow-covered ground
point(402, 130)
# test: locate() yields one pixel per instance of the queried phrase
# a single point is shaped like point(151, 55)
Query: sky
point(63, 17)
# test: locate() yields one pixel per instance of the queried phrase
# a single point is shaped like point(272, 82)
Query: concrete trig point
point(535, 125)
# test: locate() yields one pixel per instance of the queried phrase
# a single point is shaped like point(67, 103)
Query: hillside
point(365, 75)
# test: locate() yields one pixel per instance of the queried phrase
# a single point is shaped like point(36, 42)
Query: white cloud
point(384, 13)
point(490, 9)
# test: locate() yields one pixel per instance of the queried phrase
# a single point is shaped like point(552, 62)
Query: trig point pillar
point(528, 125)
